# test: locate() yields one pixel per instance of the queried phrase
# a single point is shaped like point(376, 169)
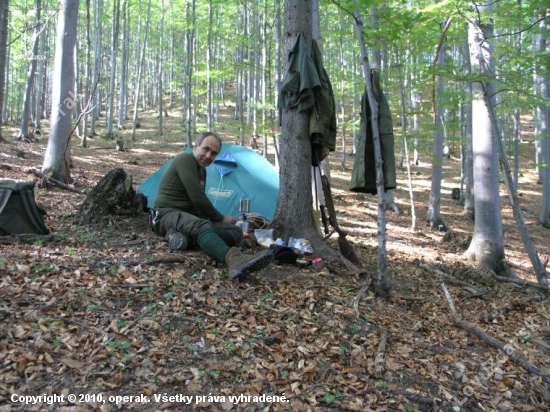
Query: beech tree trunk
point(4, 8)
point(139, 71)
point(487, 245)
point(24, 130)
point(383, 285)
point(543, 120)
point(57, 157)
point(294, 206)
point(96, 101)
point(114, 57)
point(434, 207)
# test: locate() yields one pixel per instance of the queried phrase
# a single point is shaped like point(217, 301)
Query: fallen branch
point(360, 294)
point(414, 298)
point(413, 397)
point(476, 294)
point(379, 359)
point(55, 181)
point(489, 340)
point(521, 282)
point(451, 279)
point(540, 389)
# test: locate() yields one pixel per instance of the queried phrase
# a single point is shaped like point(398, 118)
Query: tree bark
point(98, 11)
point(434, 207)
point(294, 206)
point(544, 122)
point(4, 14)
point(24, 130)
point(56, 159)
point(383, 285)
point(114, 57)
point(139, 71)
point(487, 245)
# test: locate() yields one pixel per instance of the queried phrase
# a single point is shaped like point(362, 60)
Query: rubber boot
point(241, 264)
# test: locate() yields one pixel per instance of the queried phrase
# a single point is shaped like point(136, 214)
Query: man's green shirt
point(182, 187)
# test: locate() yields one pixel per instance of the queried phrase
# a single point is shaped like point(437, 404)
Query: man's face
point(207, 151)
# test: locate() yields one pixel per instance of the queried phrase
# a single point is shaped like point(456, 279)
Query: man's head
point(207, 148)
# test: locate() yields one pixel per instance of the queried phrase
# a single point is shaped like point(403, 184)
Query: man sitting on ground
point(186, 215)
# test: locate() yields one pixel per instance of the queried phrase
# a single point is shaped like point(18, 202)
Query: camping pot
point(244, 205)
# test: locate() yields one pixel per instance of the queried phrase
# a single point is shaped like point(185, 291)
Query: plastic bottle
point(242, 223)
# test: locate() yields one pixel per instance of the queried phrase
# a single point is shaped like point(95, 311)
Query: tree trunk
point(123, 92)
point(87, 77)
point(487, 245)
point(544, 124)
point(160, 68)
point(434, 217)
point(293, 212)
point(24, 130)
point(40, 91)
point(188, 81)
point(114, 57)
point(468, 157)
point(98, 11)
point(4, 14)
point(139, 71)
point(383, 285)
point(56, 159)
point(209, 91)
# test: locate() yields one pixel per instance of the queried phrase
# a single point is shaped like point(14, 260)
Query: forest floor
point(101, 312)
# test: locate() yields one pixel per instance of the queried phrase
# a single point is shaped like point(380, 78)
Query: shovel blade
point(347, 250)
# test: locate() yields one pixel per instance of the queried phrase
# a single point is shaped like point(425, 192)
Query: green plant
point(42, 267)
point(95, 308)
point(332, 396)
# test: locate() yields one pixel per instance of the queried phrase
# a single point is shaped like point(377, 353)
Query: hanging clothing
point(307, 86)
point(363, 177)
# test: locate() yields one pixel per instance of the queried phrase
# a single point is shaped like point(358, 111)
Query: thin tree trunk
point(98, 11)
point(190, 14)
point(544, 123)
point(383, 284)
point(434, 217)
point(123, 95)
point(4, 14)
point(139, 70)
point(24, 130)
point(114, 57)
point(40, 81)
point(160, 72)
point(468, 159)
point(87, 75)
point(404, 131)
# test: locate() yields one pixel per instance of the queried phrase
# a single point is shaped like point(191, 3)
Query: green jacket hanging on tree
point(363, 177)
point(307, 87)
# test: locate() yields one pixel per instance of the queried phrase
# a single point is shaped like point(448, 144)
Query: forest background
point(179, 68)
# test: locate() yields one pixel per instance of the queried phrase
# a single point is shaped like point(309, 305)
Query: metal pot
point(244, 205)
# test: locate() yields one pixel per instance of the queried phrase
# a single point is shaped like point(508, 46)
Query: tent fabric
point(19, 213)
point(237, 173)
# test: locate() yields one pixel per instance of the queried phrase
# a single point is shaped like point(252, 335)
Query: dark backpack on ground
point(19, 213)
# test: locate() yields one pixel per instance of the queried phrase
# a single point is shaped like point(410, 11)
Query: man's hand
point(229, 219)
